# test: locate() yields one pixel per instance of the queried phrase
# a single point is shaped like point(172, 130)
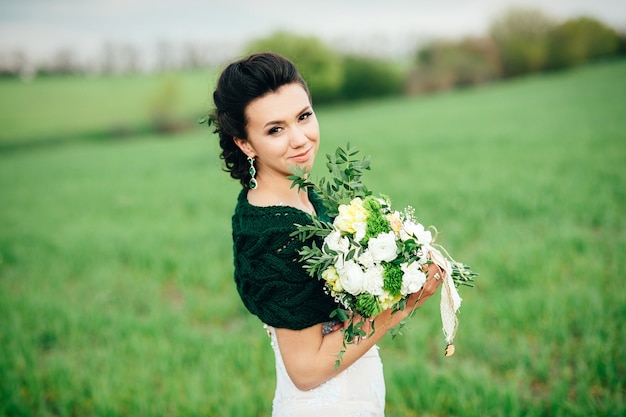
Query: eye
point(305, 115)
point(274, 130)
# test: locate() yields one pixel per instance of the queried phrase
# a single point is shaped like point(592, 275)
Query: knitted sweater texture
point(268, 273)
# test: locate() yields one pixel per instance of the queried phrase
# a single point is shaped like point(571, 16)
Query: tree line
point(518, 41)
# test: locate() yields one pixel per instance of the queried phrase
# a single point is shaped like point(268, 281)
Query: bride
point(266, 124)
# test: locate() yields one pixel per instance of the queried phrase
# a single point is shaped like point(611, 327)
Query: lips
point(302, 157)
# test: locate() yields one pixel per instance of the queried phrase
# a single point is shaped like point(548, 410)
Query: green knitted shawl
point(268, 273)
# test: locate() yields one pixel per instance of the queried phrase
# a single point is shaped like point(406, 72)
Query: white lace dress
point(358, 391)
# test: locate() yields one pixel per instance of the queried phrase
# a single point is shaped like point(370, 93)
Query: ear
point(245, 147)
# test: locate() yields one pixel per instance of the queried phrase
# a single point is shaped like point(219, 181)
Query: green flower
point(367, 305)
point(376, 221)
point(392, 278)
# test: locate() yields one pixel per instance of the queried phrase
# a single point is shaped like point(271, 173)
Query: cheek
point(313, 130)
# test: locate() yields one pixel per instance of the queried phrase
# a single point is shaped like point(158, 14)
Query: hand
point(434, 279)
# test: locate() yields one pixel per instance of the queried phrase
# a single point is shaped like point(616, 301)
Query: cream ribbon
point(450, 298)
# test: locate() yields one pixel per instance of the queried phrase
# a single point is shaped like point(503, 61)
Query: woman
point(266, 124)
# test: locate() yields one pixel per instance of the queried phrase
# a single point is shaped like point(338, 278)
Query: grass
point(116, 291)
point(62, 108)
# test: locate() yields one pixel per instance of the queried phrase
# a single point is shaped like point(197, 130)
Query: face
point(282, 132)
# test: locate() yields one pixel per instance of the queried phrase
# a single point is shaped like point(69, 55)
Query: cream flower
point(336, 288)
point(330, 274)
point(383, 247)
point(387, 301)
point(331, 277)
point(352, 218)
point(395, 221)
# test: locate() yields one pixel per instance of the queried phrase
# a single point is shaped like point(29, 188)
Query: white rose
point(422, 256)
point(351, 277)
point(359, 230)
point(383, 247)
point(337, 243)
point(423, 236)
point(413, 278)
point(404, 235)
point(374, 280)
point(366, 259)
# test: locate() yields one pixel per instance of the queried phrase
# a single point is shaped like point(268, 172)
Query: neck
point(278, 191)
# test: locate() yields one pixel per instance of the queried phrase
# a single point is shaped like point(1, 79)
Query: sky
point(42, 27)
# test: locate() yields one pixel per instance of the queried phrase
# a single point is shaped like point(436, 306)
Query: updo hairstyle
point(240, 83)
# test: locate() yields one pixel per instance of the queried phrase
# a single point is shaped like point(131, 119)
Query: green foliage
point(330, 75)
point(578, 41)
point(164, 102)
point(319, 64)
point(621, 49)
point(116, 291)
point(521, 35)
point(446, 64)
point(323, 260)
point(367, 77)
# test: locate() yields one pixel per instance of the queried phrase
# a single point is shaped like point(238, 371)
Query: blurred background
point(125, 36)
point(501, 122)
point(348, 50)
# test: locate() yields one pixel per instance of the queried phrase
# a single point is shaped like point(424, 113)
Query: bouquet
point(373, 257)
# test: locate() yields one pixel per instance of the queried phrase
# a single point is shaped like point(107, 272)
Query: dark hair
point(240, 83)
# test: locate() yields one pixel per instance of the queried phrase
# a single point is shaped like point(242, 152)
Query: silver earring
point(252, 171)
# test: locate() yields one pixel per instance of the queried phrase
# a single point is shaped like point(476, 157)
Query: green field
point(116, 293)
point(61, 108)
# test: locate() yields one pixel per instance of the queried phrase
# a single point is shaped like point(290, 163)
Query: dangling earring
point(252, 184)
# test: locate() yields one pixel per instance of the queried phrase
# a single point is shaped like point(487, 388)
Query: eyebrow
point(277, 122)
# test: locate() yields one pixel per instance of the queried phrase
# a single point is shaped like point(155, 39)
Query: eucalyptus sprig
point(345, 184)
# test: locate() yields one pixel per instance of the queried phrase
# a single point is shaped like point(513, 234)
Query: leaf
point(342, 314)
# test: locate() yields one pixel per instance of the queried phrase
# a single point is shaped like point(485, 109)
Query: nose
point(298, 137)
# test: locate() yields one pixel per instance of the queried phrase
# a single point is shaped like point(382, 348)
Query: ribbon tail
point(450, 303)
point(450, 298)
